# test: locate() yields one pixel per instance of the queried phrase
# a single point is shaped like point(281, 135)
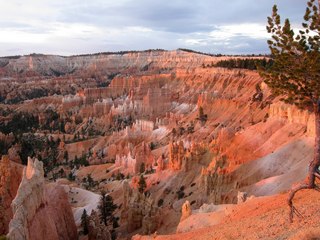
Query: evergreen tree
point(90, 181)
point(66, 156)
point(202, 117)
point(142, 168)
point(106, 208)
point(85, 222)
point(142, 184)
point(295, 75)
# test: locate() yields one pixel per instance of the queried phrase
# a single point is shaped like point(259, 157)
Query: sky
point(68, 27)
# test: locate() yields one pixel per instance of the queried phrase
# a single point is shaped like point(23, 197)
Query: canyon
point(183, 148)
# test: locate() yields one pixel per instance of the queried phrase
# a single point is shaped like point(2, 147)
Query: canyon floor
point(184, 149)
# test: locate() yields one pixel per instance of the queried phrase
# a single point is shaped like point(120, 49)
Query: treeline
point(248, 63)
point(120, 52)
point(222, 55)
point(21, 122)
point(197, 52)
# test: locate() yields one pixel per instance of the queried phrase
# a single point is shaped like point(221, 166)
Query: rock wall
point(139, 211)
point(132, 161)
point(292, 114)
point(182, 158)
point(96, 229)
point(40, 207)
point(105, 63)
point(10, 178)
point(176, 155)
point(186, 211)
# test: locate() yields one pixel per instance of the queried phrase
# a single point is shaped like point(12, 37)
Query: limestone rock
point(139, 211)
point(97, 230)
point(160, 164)
point(176, 155)
point(186, 211)
point(10, 177)
point(41, 207)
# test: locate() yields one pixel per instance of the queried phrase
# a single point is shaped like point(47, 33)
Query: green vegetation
point(21, 122)
point(85, 222)
point(89, 182)
point(160, 202)
point(295, 74)
point(142, 184)
point(106, 208)
point(201, 116)
point(181, 193)
point(247, 63)
point(142, 168)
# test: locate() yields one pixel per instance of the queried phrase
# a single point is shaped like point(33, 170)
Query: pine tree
point(66, 156)
point(106, 208)
point(85, 222)
point(142, 168)
point(142, 184)
point(295, 74)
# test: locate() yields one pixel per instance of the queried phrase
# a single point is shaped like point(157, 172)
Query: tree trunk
point(313, 166)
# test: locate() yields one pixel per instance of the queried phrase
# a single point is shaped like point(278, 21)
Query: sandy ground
point(98, 172)
point(81, 199)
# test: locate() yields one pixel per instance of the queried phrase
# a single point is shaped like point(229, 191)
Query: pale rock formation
point(176, 155)
point(131, 162)
point(69, 102)
point(97, 230)
point(139, 211)
point(186, 211)
point(101, 108)
point(35, 207)
point(292, 114)
point(181, 158)
point(144, 125)
point(106, 63)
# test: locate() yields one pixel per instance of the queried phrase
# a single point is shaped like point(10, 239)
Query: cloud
point(72, 26)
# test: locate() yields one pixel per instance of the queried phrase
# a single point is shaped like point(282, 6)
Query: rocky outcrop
point(10, 177)
point(137, 156)
point(292, 114)
point(97, 230)
point(40, 207)
point(186, 211)
point(176, 155)
point(104, 63)
point(181, 158)
point(139, 211)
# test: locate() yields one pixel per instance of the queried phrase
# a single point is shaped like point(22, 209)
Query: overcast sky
point(86, 26)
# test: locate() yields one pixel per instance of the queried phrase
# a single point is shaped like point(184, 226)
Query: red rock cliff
point(40, 211)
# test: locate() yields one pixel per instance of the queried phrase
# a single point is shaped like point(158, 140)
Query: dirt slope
point(262, 218)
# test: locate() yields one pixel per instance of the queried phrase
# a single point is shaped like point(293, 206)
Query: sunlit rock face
point(186, 211)
point(35, 207)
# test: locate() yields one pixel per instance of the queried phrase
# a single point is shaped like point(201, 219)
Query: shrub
point(160, 202)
